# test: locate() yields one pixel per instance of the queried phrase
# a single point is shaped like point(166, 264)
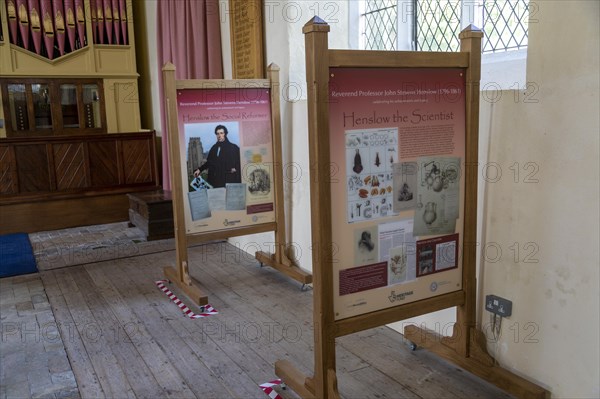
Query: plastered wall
point(542, 212)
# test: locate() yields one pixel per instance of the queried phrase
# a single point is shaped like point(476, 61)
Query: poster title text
point(225, 116)
point(354, 119)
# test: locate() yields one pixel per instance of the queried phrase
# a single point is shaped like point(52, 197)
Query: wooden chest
point(152, 212)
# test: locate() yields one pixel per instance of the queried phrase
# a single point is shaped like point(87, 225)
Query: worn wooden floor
point(125, 338)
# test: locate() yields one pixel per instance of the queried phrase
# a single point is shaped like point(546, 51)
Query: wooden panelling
point(60, 214)
point(122, 105)
point(32, 168)
point(57, 182)
point(137, 163)
point(8, 171)
point(103, 163)
point(69, 166)
point(247, 39)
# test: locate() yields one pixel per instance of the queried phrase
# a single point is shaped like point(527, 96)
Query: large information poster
point(226, 157)
point(397, 141)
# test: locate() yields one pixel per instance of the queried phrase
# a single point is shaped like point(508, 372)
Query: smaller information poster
point(226, 157)
point(437, 254)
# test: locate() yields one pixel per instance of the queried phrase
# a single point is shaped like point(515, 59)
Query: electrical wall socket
point(500, 306)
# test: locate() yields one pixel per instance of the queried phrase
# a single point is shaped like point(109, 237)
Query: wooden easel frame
point(279, 261)
point(467, 345)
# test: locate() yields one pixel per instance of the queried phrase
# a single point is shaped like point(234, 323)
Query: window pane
point(438, 25)
point(380, 21)
point(17, 100)
point(41, 106)
point(505, 24)
point(91, 106)
point(68, 103)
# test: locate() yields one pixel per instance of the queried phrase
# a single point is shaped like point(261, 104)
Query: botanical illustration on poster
point(405, 185)
point(397, 248)
point(438, 195)
point(397, 138)
point(227, 157)
point(370, 155)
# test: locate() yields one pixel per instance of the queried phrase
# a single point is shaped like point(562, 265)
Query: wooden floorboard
point(138, 374)
point(81, 364)
point(133, 329)
point(290, 319)
point(454, 380)
point(200, 335)
point(128, 339)
point(245, 320)
point(177, 352)
point(112, 377)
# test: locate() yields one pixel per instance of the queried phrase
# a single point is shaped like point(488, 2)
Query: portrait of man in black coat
point(223, 161)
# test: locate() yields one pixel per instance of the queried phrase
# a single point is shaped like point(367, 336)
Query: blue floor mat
point(16, 255)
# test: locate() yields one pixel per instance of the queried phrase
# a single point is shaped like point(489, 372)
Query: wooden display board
point(246, 28)
point(393, 140)
point(229, 187)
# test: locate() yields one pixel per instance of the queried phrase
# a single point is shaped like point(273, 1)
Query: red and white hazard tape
point(207, 309)
point(267, 388)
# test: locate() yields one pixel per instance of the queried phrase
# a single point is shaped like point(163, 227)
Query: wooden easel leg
point(190, 290)
point(285, 266)
point(479, 363)
point(305, 386)
point(295, 379)
point(332, 388)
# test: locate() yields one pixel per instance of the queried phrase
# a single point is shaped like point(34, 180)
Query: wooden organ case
point(71, 145)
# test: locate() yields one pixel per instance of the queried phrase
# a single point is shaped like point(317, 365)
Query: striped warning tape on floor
point(207, 310)
point(267, 388)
